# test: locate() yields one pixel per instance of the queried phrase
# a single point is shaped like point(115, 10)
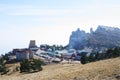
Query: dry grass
point(101, 70)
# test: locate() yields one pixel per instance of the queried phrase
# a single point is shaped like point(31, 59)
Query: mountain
point(77, 38)
point(102, 37)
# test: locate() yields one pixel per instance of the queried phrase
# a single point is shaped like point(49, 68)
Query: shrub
point(31, 65)
point(3, 68)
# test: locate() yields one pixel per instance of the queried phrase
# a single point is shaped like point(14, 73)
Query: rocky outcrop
point(77, 38)
point(103, 36)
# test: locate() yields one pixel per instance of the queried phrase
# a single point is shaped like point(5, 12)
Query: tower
point(32, 44)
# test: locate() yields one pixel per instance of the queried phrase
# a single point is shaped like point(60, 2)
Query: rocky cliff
point(102, 37)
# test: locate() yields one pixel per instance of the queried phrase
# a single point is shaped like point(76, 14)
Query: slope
point(101, 70)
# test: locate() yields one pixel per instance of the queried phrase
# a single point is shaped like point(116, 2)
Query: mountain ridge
point(103, 36)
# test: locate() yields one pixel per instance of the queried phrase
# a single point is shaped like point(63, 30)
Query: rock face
point(77, 39)
point(102, 37)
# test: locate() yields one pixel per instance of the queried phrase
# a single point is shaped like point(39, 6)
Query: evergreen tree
point(102, 56)
point(36, 66)
point(97, 56)
point(91, 57)
point(25, 65)
point(84, 59)
point(31, 65)
point(116, 52)
point(3, 68)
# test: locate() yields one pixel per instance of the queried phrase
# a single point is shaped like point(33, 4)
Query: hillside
point(102, 37)
point(101, 70)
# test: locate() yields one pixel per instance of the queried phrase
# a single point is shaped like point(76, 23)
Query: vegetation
point(110, 53)
point(84, 59)
point(100, 70)
point(27, 65)
point(31, 65)
point(3, 68)
point(91, 57)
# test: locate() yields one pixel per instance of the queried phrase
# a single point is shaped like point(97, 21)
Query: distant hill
point(102, 37)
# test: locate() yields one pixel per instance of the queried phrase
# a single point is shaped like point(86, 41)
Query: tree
point(25, 65)
point(91, 57)
point(102, 56)
point(109, 53)
point(36, 65)
point(116, 52)
point(31, 65)
point(97, 56)
point(3, 68)
point(84, 59)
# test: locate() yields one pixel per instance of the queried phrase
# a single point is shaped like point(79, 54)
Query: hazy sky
point(52, 21)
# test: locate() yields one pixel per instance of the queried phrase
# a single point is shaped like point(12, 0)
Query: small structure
point(23, 54)
point(39, 51)
point(32, 44)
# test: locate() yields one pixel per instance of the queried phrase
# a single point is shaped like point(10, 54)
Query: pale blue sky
point(52, 21)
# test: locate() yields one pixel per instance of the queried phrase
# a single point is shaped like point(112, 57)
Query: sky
point(52, 21)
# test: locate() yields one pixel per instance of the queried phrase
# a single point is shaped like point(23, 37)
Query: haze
point(52, 21)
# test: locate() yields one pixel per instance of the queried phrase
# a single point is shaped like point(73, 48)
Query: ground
point(100, 70)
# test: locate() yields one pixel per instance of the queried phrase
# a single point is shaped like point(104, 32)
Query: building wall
point(22, 55)
point(31, 54)
point(18, 56)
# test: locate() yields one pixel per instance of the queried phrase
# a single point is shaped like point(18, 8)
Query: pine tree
point(3, 68)
point(84, 59)
point(97, 56)
point(31, 65)
point(116, 52)
point(91, 57)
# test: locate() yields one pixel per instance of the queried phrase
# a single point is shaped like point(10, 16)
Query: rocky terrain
point(100, 70)
point(102, 37)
